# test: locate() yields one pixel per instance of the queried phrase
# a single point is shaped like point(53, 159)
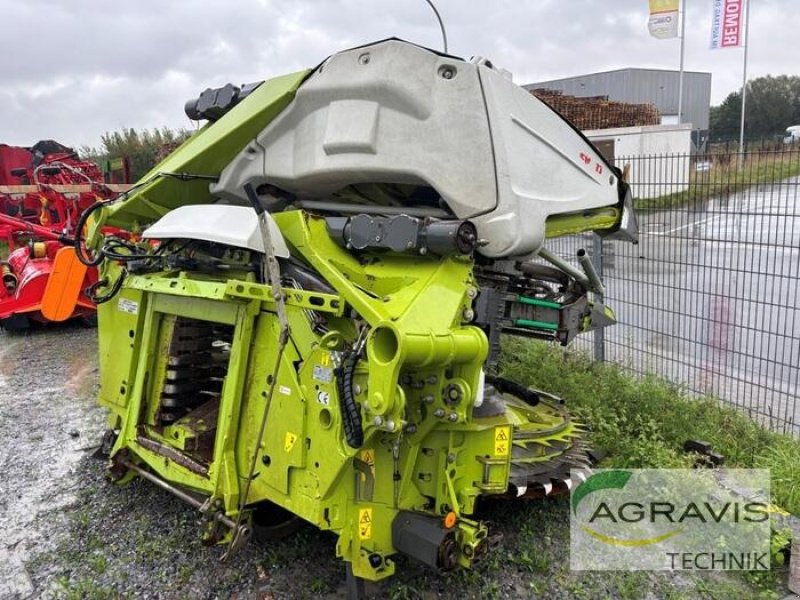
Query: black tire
point(89, 321)
point(272, 522)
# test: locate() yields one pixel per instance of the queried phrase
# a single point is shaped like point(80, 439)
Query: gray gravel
point(70, 534)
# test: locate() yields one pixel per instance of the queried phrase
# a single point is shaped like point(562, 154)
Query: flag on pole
point(663, 22)
point(727, 24)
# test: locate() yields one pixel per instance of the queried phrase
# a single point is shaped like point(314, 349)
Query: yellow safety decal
point(325, 359)
point(368, 456)
point(502, 441)
point(364, 523)
point(289, 440)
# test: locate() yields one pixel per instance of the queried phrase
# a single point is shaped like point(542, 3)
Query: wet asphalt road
point(710, 299)
point(48, 423)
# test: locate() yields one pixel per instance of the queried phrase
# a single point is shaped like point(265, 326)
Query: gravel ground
point(69, 534)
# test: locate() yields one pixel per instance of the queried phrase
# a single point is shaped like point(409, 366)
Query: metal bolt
point(377, 421)
point(439, 412)
point(423, 251)
point(427, 399)
point(364, 59)
point(451, 458)
point(452, 417)
point(447, 72)
point(357, 389)
point(432, 380)
point(472, 292)
point(410, 428)
point(390, 426)
point(469, 314)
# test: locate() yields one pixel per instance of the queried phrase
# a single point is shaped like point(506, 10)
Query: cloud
point(73, 70)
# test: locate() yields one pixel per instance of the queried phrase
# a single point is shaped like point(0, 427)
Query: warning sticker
point(368, 456)
point(285, 390)
point(128, 306)
point(502, 441)
point(364, 523)
point(289, 440)
point(322, 373)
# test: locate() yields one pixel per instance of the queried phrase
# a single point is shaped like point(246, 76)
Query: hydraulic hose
point(506, 386)
point(351, 413)
point(78, 241)
point(115, 287)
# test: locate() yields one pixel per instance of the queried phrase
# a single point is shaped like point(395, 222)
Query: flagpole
point(680, 76)
point(744, 77)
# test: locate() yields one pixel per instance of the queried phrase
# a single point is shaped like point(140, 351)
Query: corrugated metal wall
point(644, 85)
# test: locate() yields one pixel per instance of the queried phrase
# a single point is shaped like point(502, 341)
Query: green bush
point(644, 422)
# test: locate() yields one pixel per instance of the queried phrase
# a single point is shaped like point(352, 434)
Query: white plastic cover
point(225, 224)
point(393, 112)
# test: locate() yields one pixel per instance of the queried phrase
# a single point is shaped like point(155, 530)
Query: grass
point(644, 422)
point(725, 177)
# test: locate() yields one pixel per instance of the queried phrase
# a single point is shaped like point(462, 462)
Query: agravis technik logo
point(657, 519)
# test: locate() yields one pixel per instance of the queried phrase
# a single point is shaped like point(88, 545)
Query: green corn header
point(308, 325)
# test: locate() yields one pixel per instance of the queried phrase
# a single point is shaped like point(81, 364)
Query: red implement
point(43, 191)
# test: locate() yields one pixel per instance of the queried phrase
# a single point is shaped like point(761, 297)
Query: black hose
point(116, 286)
point(133, 252)
point(78, 241)
point(84, 218)
point(351, 412)
point(506, 386)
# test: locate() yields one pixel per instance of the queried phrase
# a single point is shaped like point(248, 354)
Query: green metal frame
point(424, 450)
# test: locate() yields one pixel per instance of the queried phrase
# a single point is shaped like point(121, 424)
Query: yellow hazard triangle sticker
point(364, 523)
point(502, 441)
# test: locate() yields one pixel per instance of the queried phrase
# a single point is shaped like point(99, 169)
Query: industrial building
point(632, 144)
point(656, 86)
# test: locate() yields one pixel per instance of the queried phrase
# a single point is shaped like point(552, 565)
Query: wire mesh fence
point(708, 299)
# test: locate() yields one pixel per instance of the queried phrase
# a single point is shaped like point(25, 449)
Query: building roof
point(622, 70)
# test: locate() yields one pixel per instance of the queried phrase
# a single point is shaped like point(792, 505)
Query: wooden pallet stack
point(598, 112)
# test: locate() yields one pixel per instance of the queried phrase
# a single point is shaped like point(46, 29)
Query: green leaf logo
point(599, 481)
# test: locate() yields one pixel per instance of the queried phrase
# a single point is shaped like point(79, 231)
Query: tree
point(144, 149)
point(773, 104)
point(724, 119)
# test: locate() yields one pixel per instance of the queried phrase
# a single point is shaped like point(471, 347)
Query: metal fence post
point(599, 334)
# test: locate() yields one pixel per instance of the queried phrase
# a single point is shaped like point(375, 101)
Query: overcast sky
point(73, 69)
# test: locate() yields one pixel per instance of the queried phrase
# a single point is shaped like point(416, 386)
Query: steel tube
point(565, 266)
point(21, 225)
point(595, 283)
point(188, 498)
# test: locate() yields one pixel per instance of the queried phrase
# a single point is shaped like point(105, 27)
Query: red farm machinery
point(44, 190)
